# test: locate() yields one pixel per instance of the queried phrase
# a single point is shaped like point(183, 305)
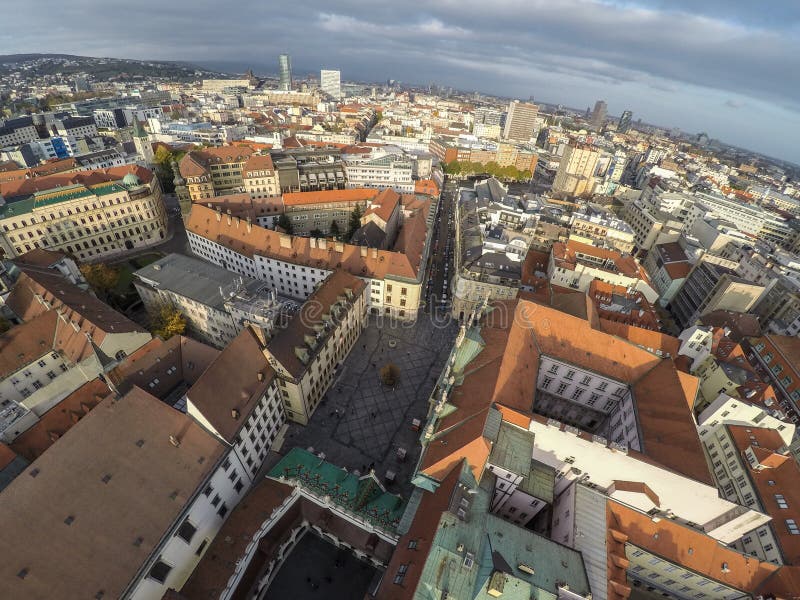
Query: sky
point(727, 67)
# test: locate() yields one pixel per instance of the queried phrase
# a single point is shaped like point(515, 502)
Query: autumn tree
point(102, 277)
point(390, 374)
point(167, 321)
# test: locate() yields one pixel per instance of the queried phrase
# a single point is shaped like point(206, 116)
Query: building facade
point(89, 215)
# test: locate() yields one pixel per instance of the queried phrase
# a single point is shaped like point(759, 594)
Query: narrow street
point(440, 267)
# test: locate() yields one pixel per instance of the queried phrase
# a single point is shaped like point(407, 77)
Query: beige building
point(90, 215)
point(307, 352)
point(293, 265)
point(520, 121)
point(576, 170)
point(212, 172)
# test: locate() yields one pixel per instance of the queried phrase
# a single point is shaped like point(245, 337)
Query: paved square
point(361, 423)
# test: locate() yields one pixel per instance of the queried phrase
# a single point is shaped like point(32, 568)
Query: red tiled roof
point(328, 196)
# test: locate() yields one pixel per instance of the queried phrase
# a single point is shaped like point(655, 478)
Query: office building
point(711, 285)
point(89, 214)
point(330, 82)
point(624, 124)
point(285, 72)
point(575, 174)
point(599, 114)
point(520, 121)
point(379, 169)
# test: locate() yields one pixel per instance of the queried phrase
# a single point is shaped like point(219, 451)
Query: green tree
point(390, 374)
point(167, 321)
point(334, 229)
point(452, 168)
point(355, 221)
point(285, 223)
point(316, 233)
point(102, 277)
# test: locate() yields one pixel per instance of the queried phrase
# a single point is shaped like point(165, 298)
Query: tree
point(355, 221)
point(452, 168)
point(334, 229)
point(390, 374)
point(285, 223)
point(167, 321)
point(316, 233)
point(102, 277)
point(163, 159)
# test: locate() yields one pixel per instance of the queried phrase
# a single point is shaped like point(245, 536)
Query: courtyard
point(361, 423)
point(318, 569)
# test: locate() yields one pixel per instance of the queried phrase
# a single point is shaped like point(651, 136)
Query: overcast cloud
point(728, 67)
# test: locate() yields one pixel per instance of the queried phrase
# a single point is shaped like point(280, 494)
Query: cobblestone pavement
point(361, 423)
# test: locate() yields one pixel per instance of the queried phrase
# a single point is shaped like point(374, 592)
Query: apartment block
point(575, 264)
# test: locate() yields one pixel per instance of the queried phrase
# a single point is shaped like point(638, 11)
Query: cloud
point(668, 60)
point(733, 103)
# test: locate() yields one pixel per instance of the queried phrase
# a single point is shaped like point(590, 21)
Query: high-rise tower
point(285, 69)
point(625, 121)
point(599, 114)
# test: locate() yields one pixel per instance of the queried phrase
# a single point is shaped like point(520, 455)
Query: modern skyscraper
point(599, 114)
point(285, 68)
point(331, 83)
point(521, 121)
point(625, 121)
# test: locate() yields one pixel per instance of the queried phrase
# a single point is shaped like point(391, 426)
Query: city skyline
point(730, 67)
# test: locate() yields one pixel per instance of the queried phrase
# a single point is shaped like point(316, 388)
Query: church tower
point(143, 146)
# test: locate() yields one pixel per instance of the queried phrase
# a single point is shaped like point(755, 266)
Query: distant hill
point(101, 67)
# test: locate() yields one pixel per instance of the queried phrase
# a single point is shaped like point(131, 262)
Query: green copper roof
point(25, 204)
point(362, 495)
point(466, 553)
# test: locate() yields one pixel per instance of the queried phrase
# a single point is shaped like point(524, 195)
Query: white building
point(330, 82)
point(379, 170)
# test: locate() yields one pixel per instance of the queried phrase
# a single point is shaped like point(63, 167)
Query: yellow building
point(210, 172)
